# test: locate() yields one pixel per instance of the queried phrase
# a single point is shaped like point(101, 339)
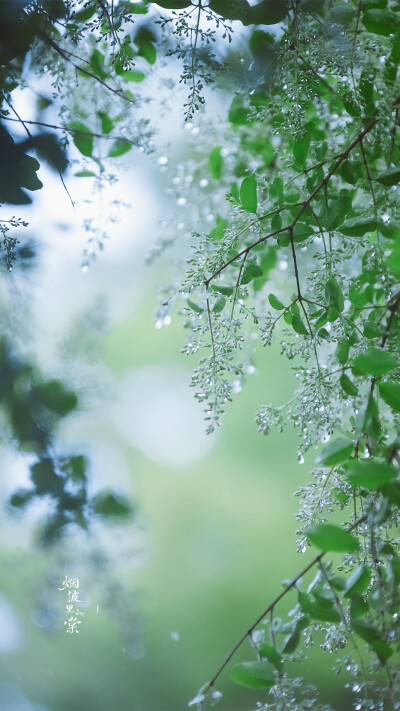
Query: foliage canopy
point(300, 183)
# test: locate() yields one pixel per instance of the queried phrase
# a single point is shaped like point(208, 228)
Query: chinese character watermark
point(72, 621)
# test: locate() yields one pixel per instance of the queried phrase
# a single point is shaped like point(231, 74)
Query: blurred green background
point(166, 595)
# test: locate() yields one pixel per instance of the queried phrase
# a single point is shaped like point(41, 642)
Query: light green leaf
point(332, 217)
point(317, 611)
point(85, 174)
point(215, 163)
point(302, 231)
point(219, 304)
point(195, 307)
point(336, 452)
point(254, 675)
point(131, 75)
point(82, 137)
point(328, 537)
point(369, 473)
point(268, 651)
point(248, 193)
point(375, 361)
point(118, 148)
point(107, 123)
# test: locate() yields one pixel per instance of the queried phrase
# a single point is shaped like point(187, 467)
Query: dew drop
point(181, 201)
point(300, 458)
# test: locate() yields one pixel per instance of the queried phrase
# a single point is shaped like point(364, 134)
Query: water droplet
point(181, 201)
point(282, 265)
point(203, 182)
point(175, 636)
point(85, 268)
point(158, 323)
point(300, 458)
point(167, 320)
point(163, 160)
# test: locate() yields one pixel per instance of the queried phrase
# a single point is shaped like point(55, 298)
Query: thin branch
point(315, 192)
point(109, 137)
point(65, 54)
point(270, 607)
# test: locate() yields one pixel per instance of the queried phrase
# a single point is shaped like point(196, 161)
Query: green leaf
point(107, 124)
point(358, 226)
point(390, 393)
point(375, 361)
point(275, 303)
point(302, 231)
point(348, 385)
point(225, 290)
point(21, 498)
point(252, 271)
point(325, 613)
point(194, 306)
point(219, 304)
point(369, 473)
point(380, 22)
point(144, 40)
point(215, 163)
point(269, 12)
point(343, 14)
point(351, 171)
point(268, 651)
point(56, 397)
point(118, 148)
point(82, 137)
point(131, 75)
point(248, 193)
point(336, 452)
point(301, 148)
point(299, 326)
point(392, 492)
point(173, 4)
point(85, 174)
point(334, 296)
point(107, 503)
point(253, 675)
point(358, 582)
point(332, 217)
point(371, 330)
point(232, 10)
point(389, 177)
point(328, 537)
point(342, 351)
point(85, 14)
point(283, 239)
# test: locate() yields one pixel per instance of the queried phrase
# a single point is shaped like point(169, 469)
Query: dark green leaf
point(336, 452)
point(369, 473)
point(299, 326)
point(391, 176)
point(332, 538)
point(232, 10)
point(342, 351)
point(56, 397)
point(225, 290)
point(254, 675)
point(358, 226)
point(269, 12)
point(109, 504)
